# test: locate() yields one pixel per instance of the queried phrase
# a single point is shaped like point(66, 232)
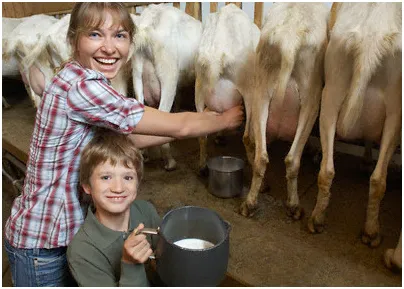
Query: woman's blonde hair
point(108, 145)
point(87, 16)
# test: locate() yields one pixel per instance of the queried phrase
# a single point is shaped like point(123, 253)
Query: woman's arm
point(144, 141)
point(93, 101)
point(187, 124)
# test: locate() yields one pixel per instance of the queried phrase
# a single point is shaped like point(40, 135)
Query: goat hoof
point(220, 140)
point(315, 226)
point(390, 262)
point(295, 212)
point(171, 165)
point(204, 171)
point(248, 210)
point(372, 240)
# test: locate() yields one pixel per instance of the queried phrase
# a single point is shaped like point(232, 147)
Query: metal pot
point(179, 266)
point(225, 176)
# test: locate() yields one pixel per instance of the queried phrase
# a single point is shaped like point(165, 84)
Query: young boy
point(104, 252)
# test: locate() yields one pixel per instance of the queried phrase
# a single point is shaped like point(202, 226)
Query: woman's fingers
point(234, 116)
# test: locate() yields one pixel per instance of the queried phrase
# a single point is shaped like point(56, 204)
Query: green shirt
point(94, 255)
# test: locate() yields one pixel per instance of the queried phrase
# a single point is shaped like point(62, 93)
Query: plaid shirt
point(48, 213)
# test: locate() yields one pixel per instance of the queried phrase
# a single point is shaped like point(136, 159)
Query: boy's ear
point(87, 189)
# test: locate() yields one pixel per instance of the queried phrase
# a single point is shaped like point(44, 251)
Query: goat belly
point(371, 121)
point(223, 97)
point(151, 85)
point(10, 68)
point(36, 80)
point(283, 115)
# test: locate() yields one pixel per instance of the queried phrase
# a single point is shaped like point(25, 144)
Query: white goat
point(361, 98)
point(227, 46)
point(21, 42)
point(47, 55)
point(289, 80)
point(165, 44)
point(9, 66)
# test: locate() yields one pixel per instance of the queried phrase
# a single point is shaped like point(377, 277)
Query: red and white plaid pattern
point(48, 213)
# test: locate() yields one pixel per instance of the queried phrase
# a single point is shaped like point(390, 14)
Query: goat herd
point(343, 65)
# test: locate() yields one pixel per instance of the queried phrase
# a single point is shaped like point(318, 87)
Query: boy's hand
point(136, 249)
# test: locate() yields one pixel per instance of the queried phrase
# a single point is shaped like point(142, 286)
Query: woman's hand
point(187, 124)
point(136, 249)
point(233, 117)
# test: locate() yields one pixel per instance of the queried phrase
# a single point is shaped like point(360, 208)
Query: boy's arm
point(97, 271)
point(86, 272)
point(133, 275)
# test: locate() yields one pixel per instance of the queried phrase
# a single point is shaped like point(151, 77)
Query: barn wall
point(24, 9)
point(199, 10)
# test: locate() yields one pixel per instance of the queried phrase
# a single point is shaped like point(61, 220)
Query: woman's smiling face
point(104, 49)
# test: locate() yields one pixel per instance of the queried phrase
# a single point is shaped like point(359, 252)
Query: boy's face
point(113, 188)
point(104, 49)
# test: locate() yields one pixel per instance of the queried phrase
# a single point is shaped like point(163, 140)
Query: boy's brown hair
point(87, 16)
point(108, 145)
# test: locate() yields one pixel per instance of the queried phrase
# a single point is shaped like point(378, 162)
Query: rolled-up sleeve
point(93, 101)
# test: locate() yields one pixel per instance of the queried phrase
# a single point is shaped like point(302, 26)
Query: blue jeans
point(39, 267)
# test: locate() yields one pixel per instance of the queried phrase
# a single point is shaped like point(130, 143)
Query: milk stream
point(194, 244)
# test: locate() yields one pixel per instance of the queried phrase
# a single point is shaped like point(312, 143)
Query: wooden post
point(238, 4)
point(213, 7)
point(176, 4)
point(258, 11)
point(194, 9)
point(14, 10)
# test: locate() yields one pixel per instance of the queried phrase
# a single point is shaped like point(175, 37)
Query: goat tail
point(35, 53)
point(367, 54)
point(208, 70)
point(287, 64)
point(6, 55)
point(141, 39)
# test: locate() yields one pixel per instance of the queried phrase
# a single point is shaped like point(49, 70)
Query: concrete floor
point(270, 249)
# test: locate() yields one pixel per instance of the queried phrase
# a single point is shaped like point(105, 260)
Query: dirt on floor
point(270, 249)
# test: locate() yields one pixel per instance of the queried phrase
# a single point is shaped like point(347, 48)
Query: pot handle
point(227, 225)
point(150, 231)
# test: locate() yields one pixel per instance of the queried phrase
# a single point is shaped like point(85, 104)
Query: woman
point(45, 217)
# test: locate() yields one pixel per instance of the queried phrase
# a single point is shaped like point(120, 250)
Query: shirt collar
point(101, 235)
point(75, 62)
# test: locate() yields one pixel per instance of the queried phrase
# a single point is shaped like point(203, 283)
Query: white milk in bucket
point(194, 244)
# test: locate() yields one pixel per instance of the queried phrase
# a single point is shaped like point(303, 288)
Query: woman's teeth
point(106, 61)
